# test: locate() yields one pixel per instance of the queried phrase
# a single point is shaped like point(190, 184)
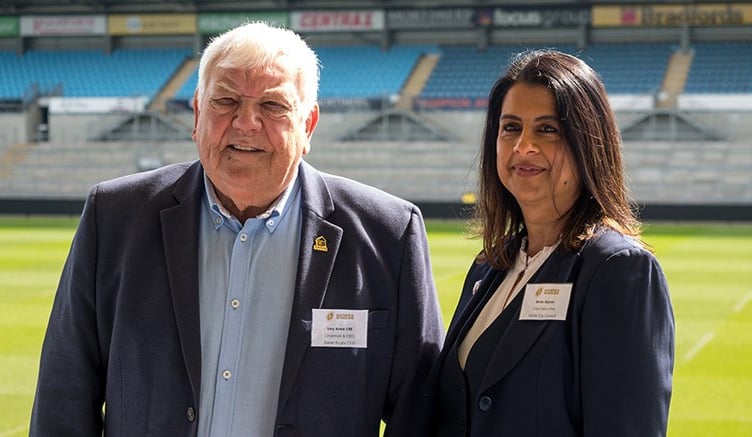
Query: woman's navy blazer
point(604, 371)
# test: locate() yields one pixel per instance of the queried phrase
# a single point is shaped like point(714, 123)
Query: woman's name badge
point(545, 302)
point(339, 328)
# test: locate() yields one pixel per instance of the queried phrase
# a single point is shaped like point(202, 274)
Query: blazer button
point(485, 403)
point(190, 414)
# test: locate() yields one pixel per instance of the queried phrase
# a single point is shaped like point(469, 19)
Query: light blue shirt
point(247, 276)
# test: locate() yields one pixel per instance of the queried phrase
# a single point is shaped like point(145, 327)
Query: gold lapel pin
point(319, 244)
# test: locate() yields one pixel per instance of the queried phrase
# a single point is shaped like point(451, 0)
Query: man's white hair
point(258, 44)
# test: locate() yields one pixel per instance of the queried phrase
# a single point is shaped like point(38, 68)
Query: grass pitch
point(709, 270)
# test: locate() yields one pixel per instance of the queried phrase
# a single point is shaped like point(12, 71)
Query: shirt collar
point(220, 215)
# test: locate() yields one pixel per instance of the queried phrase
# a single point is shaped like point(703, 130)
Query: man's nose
point(247, 117)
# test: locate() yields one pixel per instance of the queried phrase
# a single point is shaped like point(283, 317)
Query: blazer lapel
point(522, 334)
point(488, 284)
point(181, 255)
point(319, 244)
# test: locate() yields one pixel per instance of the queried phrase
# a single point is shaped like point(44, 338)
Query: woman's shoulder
point(608, 242)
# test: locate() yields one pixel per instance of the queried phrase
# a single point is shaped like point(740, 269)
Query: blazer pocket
point(378, 319)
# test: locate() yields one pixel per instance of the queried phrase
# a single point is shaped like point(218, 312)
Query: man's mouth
point(244, 148)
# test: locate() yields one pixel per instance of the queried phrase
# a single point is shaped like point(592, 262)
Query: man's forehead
point(254, 79)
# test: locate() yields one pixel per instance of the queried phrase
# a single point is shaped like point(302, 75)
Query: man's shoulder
point(344, 186)
point(149, 180)
point(372, 208)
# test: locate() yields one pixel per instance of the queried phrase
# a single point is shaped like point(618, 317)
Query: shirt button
point(270, 223)
point(243, 237)
point(235, 304)
point(190, 414)
point(226, 374)
point(485, 403)
point(218, 220)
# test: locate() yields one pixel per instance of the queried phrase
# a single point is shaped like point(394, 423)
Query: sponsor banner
point(337, 21)
point(469, 103)
point(8, 26)
point(715, 102)
point(618, 102)
point(514, 17)
point(457, 18)
point(700, 14)
point(213, 23)
point(350, 103)
point(631, 102)
point(63, 25)
point(97, 105)
point(151, 24)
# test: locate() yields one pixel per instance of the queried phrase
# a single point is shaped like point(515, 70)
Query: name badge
point(339, 328)
point(545, 302)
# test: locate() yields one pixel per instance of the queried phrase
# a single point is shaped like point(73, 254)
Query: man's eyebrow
point(277, 93)
point(225, 86)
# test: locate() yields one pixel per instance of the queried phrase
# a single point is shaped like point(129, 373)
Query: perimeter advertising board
point(214, 23)
point(700, 14)
point(63, 25)
point(337, 21)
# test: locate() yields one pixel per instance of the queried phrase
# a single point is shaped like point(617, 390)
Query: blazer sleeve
point(627, 347)
point(420, 331)
point(70, 386)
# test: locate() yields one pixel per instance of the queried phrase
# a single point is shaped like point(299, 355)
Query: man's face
point(251, 133)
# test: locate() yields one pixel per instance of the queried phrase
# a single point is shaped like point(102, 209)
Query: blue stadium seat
point(354, 71)
point(90, 73)
point(720, 67)
point(628, 68)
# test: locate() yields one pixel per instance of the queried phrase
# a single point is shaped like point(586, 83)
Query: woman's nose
point(526, 143)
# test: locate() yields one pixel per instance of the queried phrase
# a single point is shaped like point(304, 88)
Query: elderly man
point(245, 294)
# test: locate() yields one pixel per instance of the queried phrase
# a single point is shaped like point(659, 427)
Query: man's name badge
point(339, 328)
point(545, 302)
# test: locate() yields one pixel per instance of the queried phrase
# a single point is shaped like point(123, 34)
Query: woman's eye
point(510, 127)
point(548, 129)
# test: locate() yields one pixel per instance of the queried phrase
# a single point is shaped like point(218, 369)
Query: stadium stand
point(721, 67)
point(89, 73)
point(363, 71)
point(464, 71)
point(676, 153)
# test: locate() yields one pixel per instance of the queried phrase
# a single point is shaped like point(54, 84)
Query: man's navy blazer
point(124, 328)
point(604, 371)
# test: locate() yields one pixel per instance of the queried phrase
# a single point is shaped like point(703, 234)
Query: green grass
point(709, 269)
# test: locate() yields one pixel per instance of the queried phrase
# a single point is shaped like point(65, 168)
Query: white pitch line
point(699, 345)
point(743, 302)
point(14, 431)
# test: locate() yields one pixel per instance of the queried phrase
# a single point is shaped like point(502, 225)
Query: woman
point(564, 326)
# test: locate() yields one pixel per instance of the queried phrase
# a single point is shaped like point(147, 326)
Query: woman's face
point(534, 161)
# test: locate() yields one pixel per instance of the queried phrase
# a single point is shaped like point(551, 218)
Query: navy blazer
point(604, 371)
point(124, 328)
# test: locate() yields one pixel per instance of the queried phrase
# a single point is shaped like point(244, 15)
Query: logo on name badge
point(319, 244)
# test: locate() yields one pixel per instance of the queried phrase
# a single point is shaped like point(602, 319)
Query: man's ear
point(195, 114)
point(312, 120)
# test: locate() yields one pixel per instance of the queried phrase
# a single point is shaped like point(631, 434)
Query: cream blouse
point(523, 269)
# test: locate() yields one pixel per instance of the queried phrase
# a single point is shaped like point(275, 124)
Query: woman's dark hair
point(590, 129)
